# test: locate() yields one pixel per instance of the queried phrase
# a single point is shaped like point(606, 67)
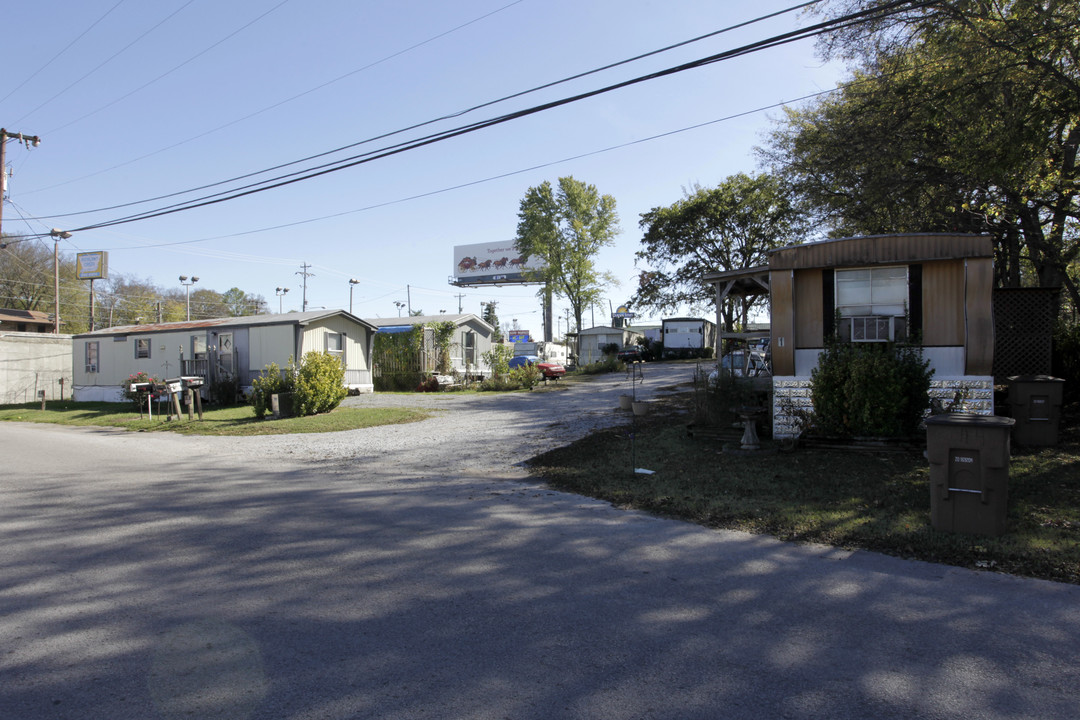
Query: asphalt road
point(152, 576)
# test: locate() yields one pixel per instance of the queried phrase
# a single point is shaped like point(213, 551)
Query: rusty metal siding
point(943, 304)
point(809, 317)
point(783, 322)
point(880, 250)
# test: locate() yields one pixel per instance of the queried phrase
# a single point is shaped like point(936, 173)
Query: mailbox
point(142, 387)
point(969, 472)
point(1035, 404)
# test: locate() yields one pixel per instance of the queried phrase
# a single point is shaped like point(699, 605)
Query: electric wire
point(106, 61)
point(256, 113)
point(67, 47)
point(449, 116)
point(318, 171)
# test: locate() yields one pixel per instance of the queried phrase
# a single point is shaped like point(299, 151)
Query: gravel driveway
point(479, 432)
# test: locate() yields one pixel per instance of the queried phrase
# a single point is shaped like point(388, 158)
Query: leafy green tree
point(961, 116)
point(567, 227)
point(442, 333)
point(728, 227)
point(493, 320)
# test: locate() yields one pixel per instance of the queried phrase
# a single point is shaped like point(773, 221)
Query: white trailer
point(687, 337)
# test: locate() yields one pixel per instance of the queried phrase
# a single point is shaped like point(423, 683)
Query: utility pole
point(408, 296)
point(459, 298)
point(26, 140)
point(304, 272)
point(58, 235)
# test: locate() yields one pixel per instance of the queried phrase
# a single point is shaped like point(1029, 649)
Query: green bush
point(609, 349)
point(870, 389)
point(609, 364)
point(525, 376)
point(498, 359)
point(271, 381)
point(135, 398)
point(320, 384)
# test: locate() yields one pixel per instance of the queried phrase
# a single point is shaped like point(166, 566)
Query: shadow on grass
point(844, 498)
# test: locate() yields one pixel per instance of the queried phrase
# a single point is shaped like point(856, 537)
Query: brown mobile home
point(934, 288)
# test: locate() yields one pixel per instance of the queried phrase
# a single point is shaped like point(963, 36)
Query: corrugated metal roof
point(299, 318)
point(880, 250)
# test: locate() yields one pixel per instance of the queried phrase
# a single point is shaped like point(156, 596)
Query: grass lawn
point(853, 499)
point(238, 420)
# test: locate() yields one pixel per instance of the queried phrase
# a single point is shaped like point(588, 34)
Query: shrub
point(498, 359)
point(428, 384)
point(320, 384)
point(225, 391)
point(609, 349)
point(609, 364)
point(139, 377)
point(525, 376)
point(870, 389)
point(271, 381)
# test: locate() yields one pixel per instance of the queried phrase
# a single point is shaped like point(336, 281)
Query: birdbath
point(749, 415)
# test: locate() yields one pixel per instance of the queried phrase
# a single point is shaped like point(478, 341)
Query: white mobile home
point(687, 337)
point(216, 350)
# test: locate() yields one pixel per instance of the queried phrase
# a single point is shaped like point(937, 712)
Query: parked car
point(551, 370)
point(523, 360)
point(632, 353)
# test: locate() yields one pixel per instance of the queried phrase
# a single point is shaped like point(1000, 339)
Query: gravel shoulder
point(472, 433)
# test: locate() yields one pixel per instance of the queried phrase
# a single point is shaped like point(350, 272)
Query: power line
point(266, 109)
point(450, 116)
point(336, 166)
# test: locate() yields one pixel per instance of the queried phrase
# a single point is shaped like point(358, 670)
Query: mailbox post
point(191, 387)
point(141, 389)
point(969, 472)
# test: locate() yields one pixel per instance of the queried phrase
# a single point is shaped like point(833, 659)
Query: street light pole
point(187, 291)
point(353, 282)
point(280, 292)
point(57, 235)
point(399, 306)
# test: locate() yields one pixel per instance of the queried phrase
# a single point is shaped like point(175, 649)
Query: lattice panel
point(1023, 331)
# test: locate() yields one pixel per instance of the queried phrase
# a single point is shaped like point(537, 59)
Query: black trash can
point(969, 472)
point(1035, 404)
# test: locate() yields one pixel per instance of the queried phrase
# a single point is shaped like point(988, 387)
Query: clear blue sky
point(135, 100)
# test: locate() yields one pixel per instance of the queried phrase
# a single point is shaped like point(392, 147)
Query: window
point(470, 347)
point(334, 344)
point(142, 348)
point(92, 349)
point(871, 303)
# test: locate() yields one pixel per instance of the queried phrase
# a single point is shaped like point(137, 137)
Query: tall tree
point(962, 115)
point(493, 320)
point(728, 227)
point(567, 227)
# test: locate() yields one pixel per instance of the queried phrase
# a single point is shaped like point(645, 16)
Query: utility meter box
point(969, 472)
point(1035, 404)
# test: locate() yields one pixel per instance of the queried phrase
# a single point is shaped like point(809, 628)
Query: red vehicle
point(551, 370)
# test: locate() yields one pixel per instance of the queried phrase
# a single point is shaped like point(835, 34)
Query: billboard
point(92, 265)
point(493, 264)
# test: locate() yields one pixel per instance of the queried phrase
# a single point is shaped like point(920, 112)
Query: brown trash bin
point(1035, 404)
point(969, 472)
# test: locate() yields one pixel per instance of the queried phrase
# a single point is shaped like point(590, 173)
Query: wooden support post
point(190, 409)
point(198, 403)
